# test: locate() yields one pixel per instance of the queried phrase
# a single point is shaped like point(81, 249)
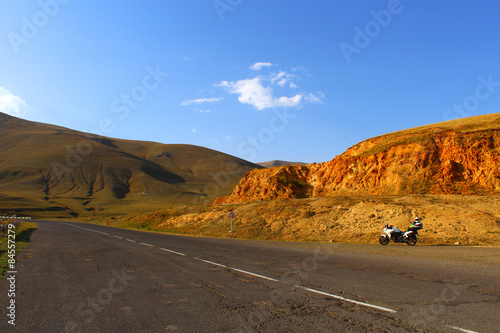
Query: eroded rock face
point(280, 183)
point(434, 160)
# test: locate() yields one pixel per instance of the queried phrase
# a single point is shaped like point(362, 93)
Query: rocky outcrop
point(286, 182)
point(456, 157)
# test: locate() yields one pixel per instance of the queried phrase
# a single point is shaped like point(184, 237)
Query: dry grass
point(423, 134)
point(353, 219)
point(23, 234)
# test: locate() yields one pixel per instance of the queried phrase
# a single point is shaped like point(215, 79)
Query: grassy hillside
point(424, 134)
point(275, 163)
point(48, 171)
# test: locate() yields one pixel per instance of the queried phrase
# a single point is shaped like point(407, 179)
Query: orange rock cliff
point(455, 157)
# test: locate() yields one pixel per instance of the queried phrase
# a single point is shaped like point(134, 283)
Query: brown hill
point(276, 163)
point(47, 170)
point(454, 157)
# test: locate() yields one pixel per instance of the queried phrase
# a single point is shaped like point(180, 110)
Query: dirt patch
point(448, 220)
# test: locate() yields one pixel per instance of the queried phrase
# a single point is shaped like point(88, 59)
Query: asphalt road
point(77, 277)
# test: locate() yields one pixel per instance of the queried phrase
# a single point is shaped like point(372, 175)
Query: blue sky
point(261, 80)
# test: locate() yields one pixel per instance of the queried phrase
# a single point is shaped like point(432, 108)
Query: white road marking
point(257, 275)
point(461, 329)
point(270, 279)
point(211, 262)
point(237, 270)
point(349, 300)
point(275, 280)
point(174, 252)
point(100, 232)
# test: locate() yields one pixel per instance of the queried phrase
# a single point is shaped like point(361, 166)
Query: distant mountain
point(276, 163)
point(455, 157)
point(48, 170)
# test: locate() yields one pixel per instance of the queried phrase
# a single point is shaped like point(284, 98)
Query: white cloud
point(277, 76)
point(204, 111)
point(312, 98)
point(282, 82)
point(202, 100)
point(299, 69)
point(12, 104)
point(258, 91)
point(282, 78)
point(258, 65)
point(228, 137)
point(251, 91)
point(194, 130)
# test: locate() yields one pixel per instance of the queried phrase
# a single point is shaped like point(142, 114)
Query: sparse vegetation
point(23, 234)
point(309, 213)
point(351, 219)
point(424, 134)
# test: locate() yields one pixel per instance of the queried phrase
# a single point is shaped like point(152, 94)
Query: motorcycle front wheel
point(384, 240)
point(412, 241)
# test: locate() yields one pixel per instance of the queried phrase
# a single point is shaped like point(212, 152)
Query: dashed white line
point(275, 280)
point(267, 278)
point(100, 232)
point(250, 273)
point(348, 300)
point(174, 252)
point(237, 270)
point(211, 262)
point(461, 329)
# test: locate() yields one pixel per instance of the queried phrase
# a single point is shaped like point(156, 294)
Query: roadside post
point(232, 216)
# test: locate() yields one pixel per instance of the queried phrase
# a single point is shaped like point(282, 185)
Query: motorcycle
point(390, 232)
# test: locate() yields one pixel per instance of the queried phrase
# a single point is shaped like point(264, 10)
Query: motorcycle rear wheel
point(384, 240)
point(412, 241)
